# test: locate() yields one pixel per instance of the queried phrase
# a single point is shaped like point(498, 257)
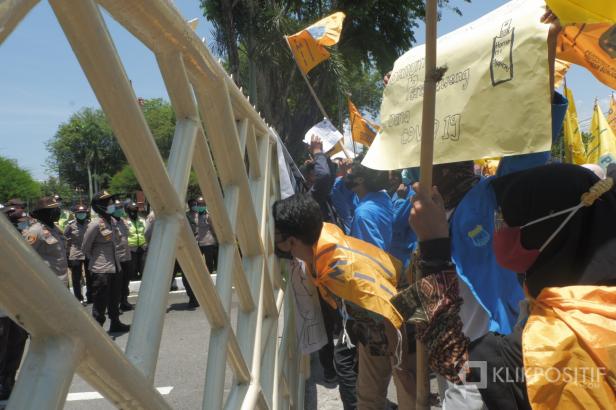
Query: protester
point(343, 199)
point(124, 253)
point(100, 244)
point(358, 279)
point(373, 217)
point(403, 238)
point(12, 336)
point(45, 237)
point(74, 232)
point(556, 225)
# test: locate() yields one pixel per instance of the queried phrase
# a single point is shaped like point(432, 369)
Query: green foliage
point(53, 186)
point(86, 142)
point(124, 182)
point(250, 33)
point(16, 182)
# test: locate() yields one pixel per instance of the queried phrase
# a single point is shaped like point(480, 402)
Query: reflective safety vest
point(569, 348)
point(136, 232)
point(357, 272)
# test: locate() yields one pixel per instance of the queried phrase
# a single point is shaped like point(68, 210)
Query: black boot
point(126, 306)
point(118, 327)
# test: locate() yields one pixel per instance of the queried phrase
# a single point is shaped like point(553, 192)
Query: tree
point(85, 153)
point(16, 182)
point(53, 186)
point(125, 183)
point(250, 34)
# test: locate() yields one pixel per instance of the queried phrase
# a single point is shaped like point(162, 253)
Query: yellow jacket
point(356, 271)
point(569, 348)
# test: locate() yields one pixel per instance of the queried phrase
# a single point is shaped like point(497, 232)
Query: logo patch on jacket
point(479, 236)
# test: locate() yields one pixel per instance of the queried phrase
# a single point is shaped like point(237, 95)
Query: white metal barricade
point(215, 126)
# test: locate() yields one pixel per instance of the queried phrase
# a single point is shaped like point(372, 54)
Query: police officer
point(100, 244)
point(123, 252)
point(12, 336)
point(74, 232)
point(136, 243)
point(45, 237)
point(201, 223)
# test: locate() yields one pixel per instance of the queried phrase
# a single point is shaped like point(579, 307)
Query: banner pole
point(425, 179)
point(314, 94)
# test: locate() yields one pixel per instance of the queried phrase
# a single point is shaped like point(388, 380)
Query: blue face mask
point(201, 209)
point(119, 213)
point(23, 225)
point(110, 209)
point(81, 216)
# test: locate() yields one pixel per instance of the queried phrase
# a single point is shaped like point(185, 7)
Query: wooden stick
point(425, 179)
point(314, 95)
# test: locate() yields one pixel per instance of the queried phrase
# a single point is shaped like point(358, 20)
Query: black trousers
point(126, 275)
point(106, 293)
point(210, 253)
point(77, 268)
point(137, 264)
point(337, 358)
point(12, 342)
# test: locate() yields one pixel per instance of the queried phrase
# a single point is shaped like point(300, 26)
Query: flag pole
point(426, 161)
point(314, 94)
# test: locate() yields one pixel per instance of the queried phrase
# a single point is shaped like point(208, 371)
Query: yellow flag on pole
point(575, 153)
point(560, 69)
point(602, 149)
point(308, 45)
point(592, 46)
point(611, 115)
point(584, 11)
point(362, 130)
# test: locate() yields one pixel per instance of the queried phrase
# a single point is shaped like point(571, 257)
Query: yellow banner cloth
point(569, 348)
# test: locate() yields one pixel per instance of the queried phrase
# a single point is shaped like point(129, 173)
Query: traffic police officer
point(45, 237)
point(123, 252)
point(74, 232)
point(100, 244)
point(136, 243)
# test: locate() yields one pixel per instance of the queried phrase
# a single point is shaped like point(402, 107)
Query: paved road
point(180, 372)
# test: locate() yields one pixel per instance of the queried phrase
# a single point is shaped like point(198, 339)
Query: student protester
point(343, 199)
point(45, 237)
point(12, 336)
point(403, 239)
point(124, 253)
point(100, 244)
point(556, 225)
point(356, 278)
point(74, 232)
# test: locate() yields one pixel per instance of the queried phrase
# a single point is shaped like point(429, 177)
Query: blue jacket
point(373, 220)
point(344, 202)
point(404, 239)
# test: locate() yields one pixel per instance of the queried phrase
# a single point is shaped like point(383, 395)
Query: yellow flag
point(361, 129)
point(584, 11)
point(575, 153)
point(560, 69)
point(602, 148)
point(592, 46)
point(308, 45)
point(611, 115)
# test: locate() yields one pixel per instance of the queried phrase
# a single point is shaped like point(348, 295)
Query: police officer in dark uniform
point(123, 251)
point(100, 244)
point(74, 232)
point(12, 336)
point(45, 237)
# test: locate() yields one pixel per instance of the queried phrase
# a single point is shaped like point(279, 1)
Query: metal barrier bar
point(239, 200)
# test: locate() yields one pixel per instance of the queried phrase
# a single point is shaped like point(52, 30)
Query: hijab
point(584, 251)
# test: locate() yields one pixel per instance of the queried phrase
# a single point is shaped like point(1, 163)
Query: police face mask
point(81, 216)
point(110, 209)
point(118, 213)
point(21, 226)
point(201, 209)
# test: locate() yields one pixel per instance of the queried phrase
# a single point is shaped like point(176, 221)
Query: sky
point(41, 83)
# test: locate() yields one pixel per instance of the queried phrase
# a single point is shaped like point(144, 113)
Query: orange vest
point(569, 348)
point(356, 271)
